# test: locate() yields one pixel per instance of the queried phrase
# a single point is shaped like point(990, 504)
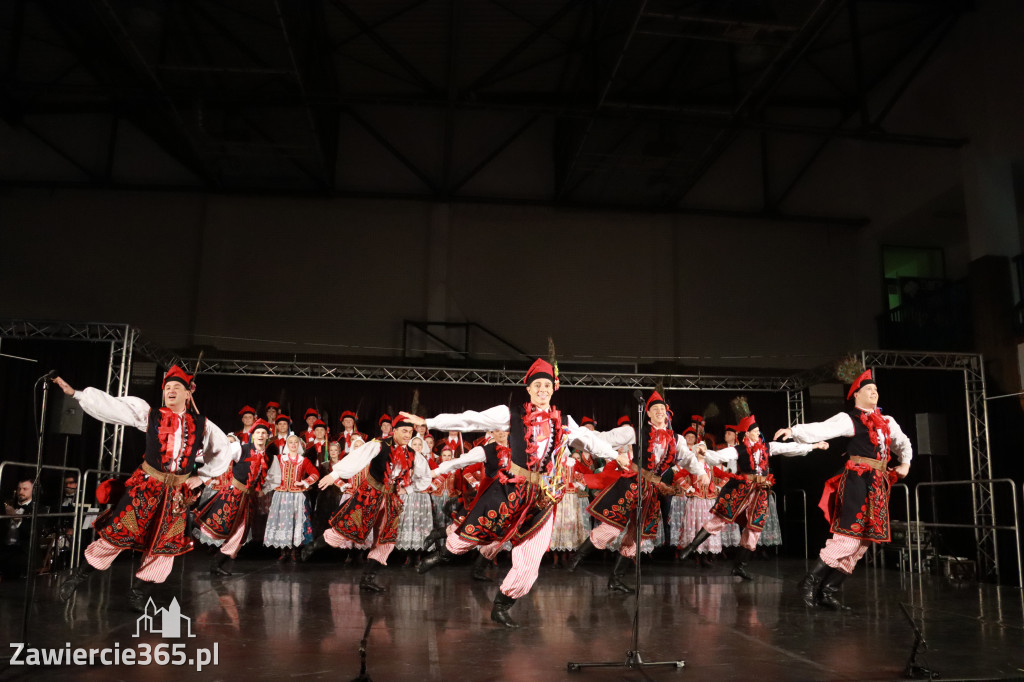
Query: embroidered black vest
point(242, 468)
point(492, 461)
point(517, 442)
point(380, 465)
point(743, 464)
point(192, 435)
point(860, 445)
point(667, 460)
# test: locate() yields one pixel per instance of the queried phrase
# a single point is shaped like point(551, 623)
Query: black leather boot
point(217, 564)
point(310, 548)
point(829, 590)
point(442, 556)
point(77, 577)
point(615, 581)
point(367, 582)
point(581, 552)
point(812, 582)
point(740, 567)
point(698, 540)
point(139, 595)
point(437, 536)
point(499, 612)
point(479, 567)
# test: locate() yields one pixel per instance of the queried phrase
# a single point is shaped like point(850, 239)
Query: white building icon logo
point(165, 622)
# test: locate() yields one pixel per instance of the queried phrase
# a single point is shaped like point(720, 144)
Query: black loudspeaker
point(931, 435)
point(65, 414)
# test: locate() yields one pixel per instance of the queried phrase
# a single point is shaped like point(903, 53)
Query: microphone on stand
point(639, 395)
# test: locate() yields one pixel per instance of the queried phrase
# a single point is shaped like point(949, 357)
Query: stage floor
point(278, 621)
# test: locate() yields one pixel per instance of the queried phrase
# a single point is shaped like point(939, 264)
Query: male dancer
point(744, 499)
point(224, 521)
point(859, 511)
point(150, 516)
point(614, 507)
point(382, 473)
point(518, 504)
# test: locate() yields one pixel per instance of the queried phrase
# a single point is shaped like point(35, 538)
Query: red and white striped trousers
point(155, 569)
point(526, 557)
point(843, 552)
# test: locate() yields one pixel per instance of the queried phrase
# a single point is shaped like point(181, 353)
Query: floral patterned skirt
point(288, 523)
point(572, 523)
point(415, 522)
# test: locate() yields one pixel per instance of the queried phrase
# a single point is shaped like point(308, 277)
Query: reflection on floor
point(276, 621)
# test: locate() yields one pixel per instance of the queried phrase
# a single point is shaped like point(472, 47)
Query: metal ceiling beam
point(402, 158)
point(607, 207)
point(326, 155)
point(401, 11)
point(451, 76)
point(78, 27)
point(483, 80)
point(757, 96)
point(570, 168)
point(384, 45)
point(493, 154)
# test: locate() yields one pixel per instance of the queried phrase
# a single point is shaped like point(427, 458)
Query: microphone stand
point(633, 657)
point(30, 583)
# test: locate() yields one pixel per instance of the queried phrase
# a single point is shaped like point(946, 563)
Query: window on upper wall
point(910, 273)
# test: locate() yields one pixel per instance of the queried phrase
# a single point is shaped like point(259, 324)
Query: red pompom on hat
point(283, 418)
point(655, 399)
point(623, 420)
point(540, 369)
point(276, 406)
point(247, 410)
point(383, 418)
point(587, 420)
point(860, 382)
point(312, 412)
point(348, 413)
point(261, 424)
point(318, 424)
point(176, 373)
point(747, 423)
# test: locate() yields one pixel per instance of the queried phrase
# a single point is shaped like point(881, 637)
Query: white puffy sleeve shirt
point(218, 452)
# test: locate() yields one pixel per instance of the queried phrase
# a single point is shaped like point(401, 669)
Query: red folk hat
point(541, 369)
point(400, 421)
point(655, 399)
point(247, 410)
point(261, 424)
point(860, 382)
point(624, 419)
point(283, 418)
point(319, 424)
point(689, 429)
point(587, 420)
point(383, 418)
point(312, 412)
point(697, 418)
point(176, 373)
point(747, 423)
point(731, 427)
point(348, 413)
point(276, 406)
